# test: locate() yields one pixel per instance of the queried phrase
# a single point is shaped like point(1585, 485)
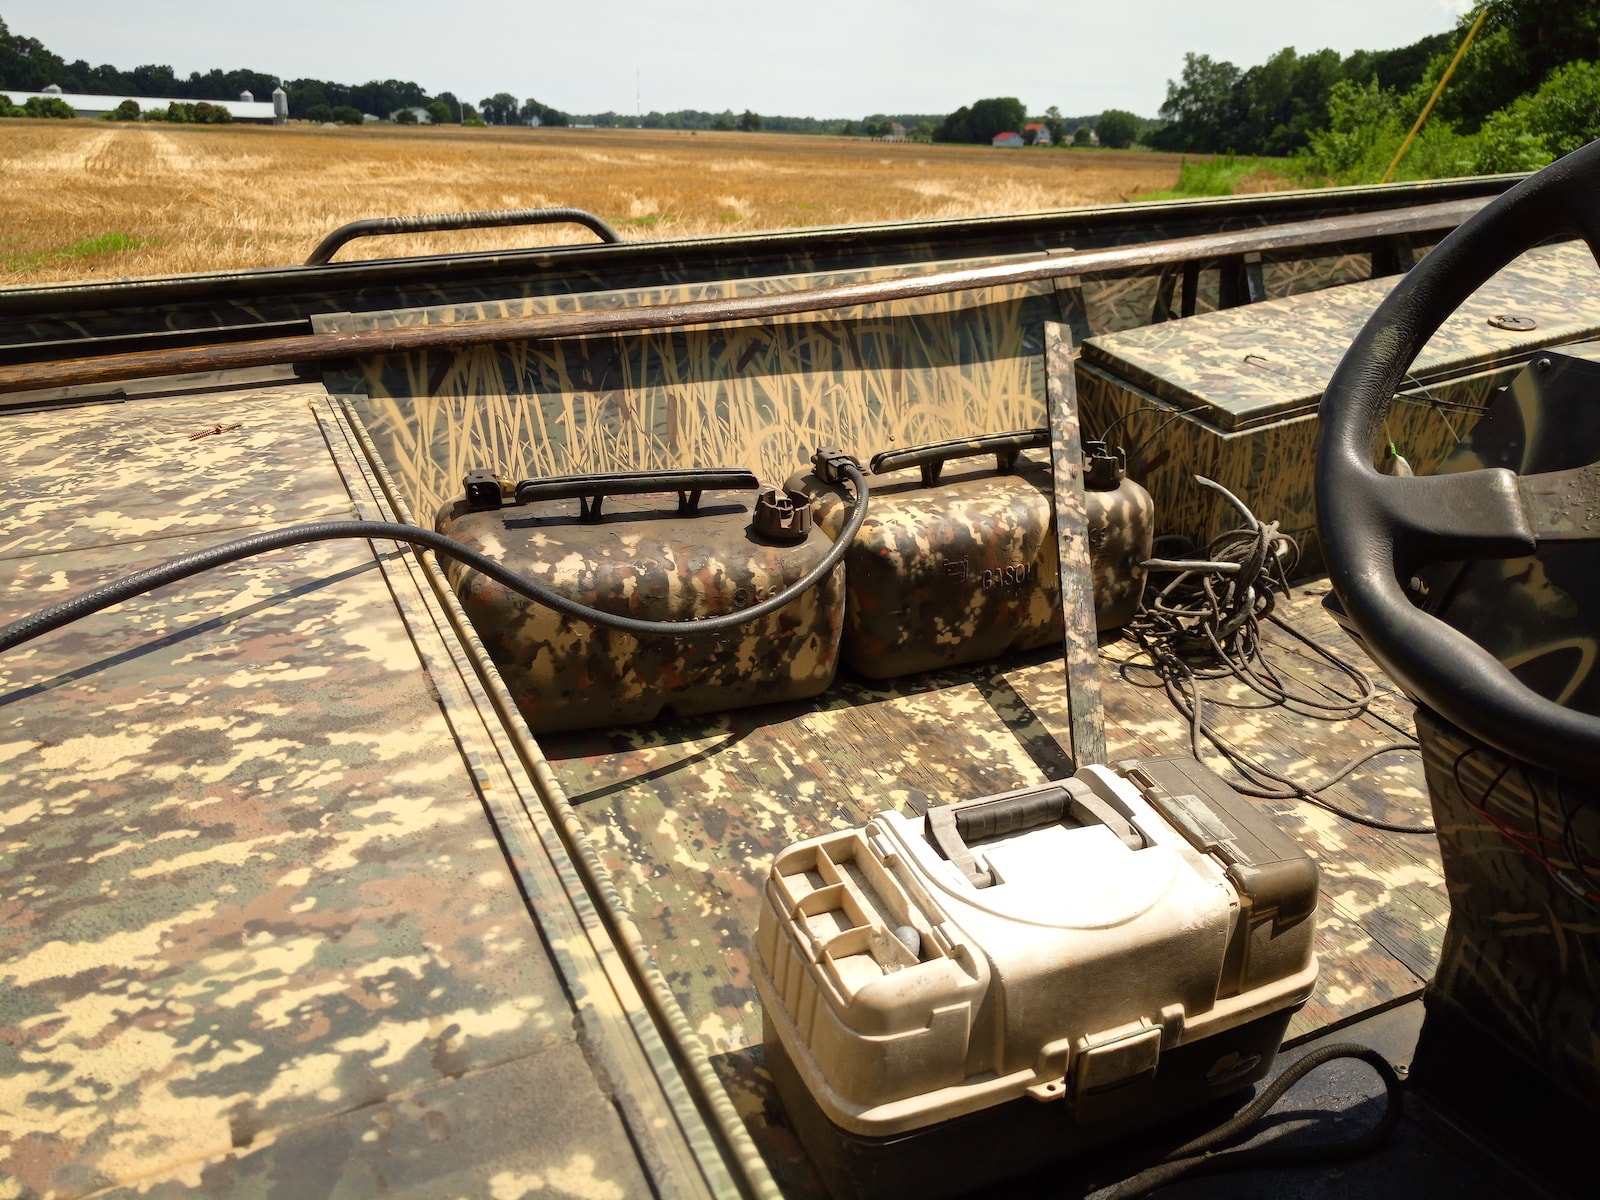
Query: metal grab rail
point(434, 222)
point(313, 347)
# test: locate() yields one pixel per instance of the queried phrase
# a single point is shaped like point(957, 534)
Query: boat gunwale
point(1130, 221)
point(1325, 232)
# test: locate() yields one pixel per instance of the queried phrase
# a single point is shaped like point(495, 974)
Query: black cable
point(1208, 1154)
point(1153, 434)
point(37, 624)
point(1252, 773)
point(1105, 434)
point(1569, 839)
point(1210, 612)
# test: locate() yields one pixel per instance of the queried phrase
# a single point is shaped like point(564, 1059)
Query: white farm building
point(246, 108)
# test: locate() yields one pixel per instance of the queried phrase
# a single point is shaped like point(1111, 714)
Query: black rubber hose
point(1201, 1156)
point(42, 622)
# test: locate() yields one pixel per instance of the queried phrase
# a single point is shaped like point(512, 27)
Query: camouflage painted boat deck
point(267, 849)
point(299, 913)
point(688, 816)
point(276, 917)
point(685, 817)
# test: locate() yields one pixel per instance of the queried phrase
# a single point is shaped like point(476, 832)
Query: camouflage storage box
point(957, 560)
point(949, 1001)
point(1233, 395)
point(604, 541)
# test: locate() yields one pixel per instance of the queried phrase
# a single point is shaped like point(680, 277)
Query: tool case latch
point(1113, 1070)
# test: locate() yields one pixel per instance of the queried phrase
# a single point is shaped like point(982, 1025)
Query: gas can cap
point(782, 516)
point(484, 489)
point(1103, 469)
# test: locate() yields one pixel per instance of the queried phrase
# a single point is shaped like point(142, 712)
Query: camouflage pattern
point(290, 295)
point(959, 572)
point(260, 935)
point(687, 818)
point(297, 905)
point(1121, 523)
point(1240, 388)
point(1521, 956)
point(642, 560)
point(967, 569)
point(1264, 362)
point(763, 396)
point(1084, 707)
point(1131, 301)
point(635, 1030)
point(892, 374)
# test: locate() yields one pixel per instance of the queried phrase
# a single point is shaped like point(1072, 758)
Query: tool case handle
point(931, 458)
point(590, 490)
point(954, 827)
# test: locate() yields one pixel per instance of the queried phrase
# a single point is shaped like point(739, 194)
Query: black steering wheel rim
point(1377, 529)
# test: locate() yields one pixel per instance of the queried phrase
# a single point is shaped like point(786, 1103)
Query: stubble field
point(93, 200)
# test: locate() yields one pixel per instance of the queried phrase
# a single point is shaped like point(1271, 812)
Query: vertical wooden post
point(1085, 711)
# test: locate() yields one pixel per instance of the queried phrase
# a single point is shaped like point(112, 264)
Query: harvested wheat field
point(92, 200)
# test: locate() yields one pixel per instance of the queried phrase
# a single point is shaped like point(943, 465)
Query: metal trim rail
point(314, 347)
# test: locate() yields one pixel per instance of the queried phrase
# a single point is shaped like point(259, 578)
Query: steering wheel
point(1378, 529)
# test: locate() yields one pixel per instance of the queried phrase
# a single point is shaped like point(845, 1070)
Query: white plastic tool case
point(954, 999)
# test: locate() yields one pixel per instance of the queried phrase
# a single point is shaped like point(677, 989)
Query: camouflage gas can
point(626, 551)
point(957, 561)
point(1122, 518)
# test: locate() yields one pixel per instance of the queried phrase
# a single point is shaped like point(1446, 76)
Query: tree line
point(875, 125)
point(980, 122)
point(27, 65)
point(1272, 108)
point(1526, 91)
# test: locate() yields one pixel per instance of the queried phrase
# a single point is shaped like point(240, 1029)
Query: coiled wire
point(1205, 623)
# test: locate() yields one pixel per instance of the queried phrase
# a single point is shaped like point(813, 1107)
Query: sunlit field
point(92, 200)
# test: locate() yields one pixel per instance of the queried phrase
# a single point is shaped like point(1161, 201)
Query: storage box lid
point(1264, 362)
point(1271, 871)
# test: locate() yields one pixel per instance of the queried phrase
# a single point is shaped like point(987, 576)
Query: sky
point(822, 58)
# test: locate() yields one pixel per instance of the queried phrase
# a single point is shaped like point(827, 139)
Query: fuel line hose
point(1213, 1152)
point(37, 624)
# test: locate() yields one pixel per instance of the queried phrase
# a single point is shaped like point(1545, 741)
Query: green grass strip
point(89, 247)
point(1221, 175)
